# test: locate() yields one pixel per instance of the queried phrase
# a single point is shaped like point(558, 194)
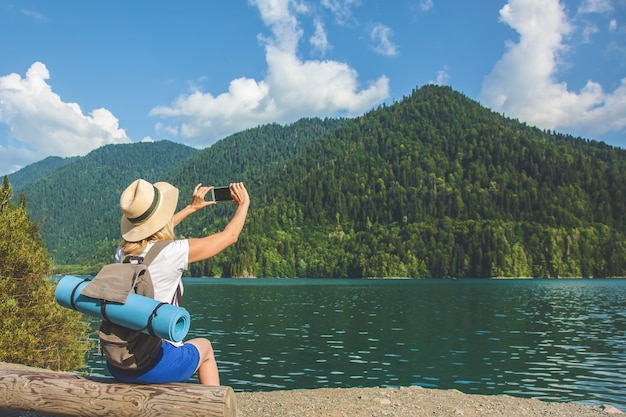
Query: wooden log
point(67, 394)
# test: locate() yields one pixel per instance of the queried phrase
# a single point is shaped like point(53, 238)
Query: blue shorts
point(174, 364)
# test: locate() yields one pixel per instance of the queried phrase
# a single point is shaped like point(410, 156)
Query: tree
point(34, 330)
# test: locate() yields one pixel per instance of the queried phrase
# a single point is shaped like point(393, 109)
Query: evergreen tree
point(34, 329)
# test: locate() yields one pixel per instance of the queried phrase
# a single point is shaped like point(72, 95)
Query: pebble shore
point(404, 402)
point(394, 402)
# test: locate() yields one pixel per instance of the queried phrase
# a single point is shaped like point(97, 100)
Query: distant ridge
point(76, 205)
point(38, 170)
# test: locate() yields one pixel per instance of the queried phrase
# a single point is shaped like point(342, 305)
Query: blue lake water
point(556, 340)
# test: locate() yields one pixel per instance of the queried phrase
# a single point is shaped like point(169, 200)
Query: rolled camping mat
point(170, 322)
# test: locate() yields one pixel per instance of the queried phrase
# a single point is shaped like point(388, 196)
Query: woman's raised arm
point(211, 245)
point(197, 203)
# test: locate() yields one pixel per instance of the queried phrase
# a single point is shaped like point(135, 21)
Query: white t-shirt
point(166, 270)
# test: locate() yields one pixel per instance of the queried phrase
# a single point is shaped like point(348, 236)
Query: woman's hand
point(197, 200)
point(197, 203)
point(211, 245)
point(239, 193)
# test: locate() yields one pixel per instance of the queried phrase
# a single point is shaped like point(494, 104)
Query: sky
point(76, 75)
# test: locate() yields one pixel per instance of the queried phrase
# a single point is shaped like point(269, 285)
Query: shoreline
point(411, 401)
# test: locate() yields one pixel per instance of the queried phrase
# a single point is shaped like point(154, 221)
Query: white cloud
point(382, 34)
point(40, 124)
point(293, 88)
point(426, 5)
point(321, 88)
point(442, 77)
point(341, 9)
point(35, 15)
point(524, 82)
point(319, 40)
point(613, 25)
point(202, 116)
point(277, 15)
point(589, 30)
point(595, 6)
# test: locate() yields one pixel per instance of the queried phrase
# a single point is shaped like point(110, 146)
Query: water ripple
point(557, 340)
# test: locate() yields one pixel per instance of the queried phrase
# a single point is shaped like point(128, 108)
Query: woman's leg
point(207, 369)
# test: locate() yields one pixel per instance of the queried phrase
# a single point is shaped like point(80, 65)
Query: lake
point(556, 340)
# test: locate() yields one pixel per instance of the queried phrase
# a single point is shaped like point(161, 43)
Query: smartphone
point(222, 193)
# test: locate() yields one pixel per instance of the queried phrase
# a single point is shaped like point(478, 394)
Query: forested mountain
point(434, 185)
point(77, 205)
point(438, 186)
point(250, 156)
point(38, 170)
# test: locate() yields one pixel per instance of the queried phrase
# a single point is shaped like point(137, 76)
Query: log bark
point(67, 394)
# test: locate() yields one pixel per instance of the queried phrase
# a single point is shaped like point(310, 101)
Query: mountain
point(38, 170)
point(250, 156)
point(438, 186)
point(434, 185)
point(76, 206)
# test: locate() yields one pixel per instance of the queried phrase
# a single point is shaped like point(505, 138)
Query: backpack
point(125, 348)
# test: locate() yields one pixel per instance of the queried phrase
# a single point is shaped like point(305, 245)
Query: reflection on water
point(557, 340)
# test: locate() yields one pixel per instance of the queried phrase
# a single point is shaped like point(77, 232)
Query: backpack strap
point(152, 316)
point(73, 295)
point(156, 248)
point(178, 297)
point(154, 251)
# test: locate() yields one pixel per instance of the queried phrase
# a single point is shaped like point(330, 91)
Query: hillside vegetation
point(438, 186)
point(77, 205)
point(34, 329)
point(35, 171)
point(432, 186)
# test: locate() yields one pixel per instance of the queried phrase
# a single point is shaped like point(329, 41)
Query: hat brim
point(163, 214)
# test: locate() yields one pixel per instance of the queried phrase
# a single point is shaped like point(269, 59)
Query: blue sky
point(76, 75)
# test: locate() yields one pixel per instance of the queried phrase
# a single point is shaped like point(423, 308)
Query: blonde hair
point(135, 248)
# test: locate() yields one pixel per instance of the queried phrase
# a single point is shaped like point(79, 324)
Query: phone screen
point(222, 193)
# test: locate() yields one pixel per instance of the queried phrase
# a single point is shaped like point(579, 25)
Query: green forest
point(434, 185)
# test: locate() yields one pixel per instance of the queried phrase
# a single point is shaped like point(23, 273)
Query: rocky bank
point(403, 402)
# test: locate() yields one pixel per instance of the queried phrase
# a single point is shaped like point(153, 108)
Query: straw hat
point(146, 208)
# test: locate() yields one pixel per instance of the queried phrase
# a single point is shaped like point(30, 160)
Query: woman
point(149, 216)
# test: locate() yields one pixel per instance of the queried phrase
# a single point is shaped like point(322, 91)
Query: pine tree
point(34, 329)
